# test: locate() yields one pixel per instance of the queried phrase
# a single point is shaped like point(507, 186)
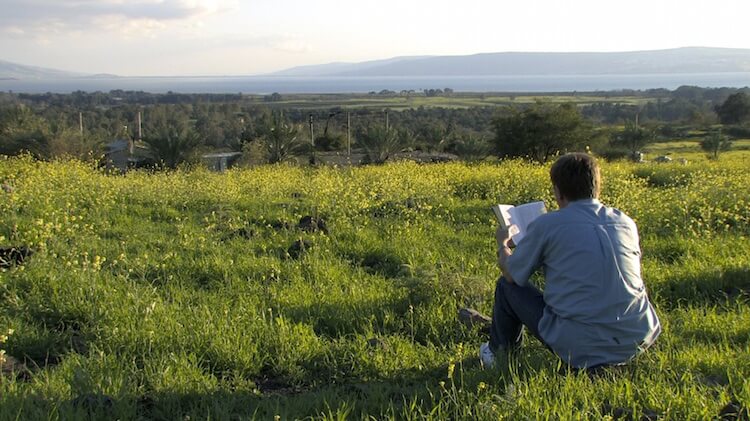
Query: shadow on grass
point(414, 312)
point(334, 320)
point(411, 392)
point(704, 289)
point(414, 390)
point(713, 337)
point(52, 334)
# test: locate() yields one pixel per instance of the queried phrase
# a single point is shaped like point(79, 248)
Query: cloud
point(56, 16)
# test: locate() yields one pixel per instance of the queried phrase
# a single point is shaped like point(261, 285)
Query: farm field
point(690, 150)
point(331, 293)
point(455, 100)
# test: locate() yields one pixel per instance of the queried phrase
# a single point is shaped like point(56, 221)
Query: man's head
point(575, 176)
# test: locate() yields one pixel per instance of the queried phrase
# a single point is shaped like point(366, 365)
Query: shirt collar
point(584, 202)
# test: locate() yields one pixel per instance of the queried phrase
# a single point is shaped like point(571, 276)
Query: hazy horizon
point(230, 37)
point(85, 72)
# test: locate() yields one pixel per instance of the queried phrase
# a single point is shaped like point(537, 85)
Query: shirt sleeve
point(527, 257)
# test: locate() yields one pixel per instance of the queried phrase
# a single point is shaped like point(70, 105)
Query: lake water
point(269, 84)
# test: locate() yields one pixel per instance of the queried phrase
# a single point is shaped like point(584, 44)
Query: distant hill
point(672, 61)
point(10, 70)
point(337, 68)
point(677, 60)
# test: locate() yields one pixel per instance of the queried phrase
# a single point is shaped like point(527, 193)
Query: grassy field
point(196, 295)
point(690, 150)
point(455, 100)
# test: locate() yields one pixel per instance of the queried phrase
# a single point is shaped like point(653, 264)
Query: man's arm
point(503, 251)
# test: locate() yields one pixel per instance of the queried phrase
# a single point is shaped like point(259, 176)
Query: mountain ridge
point(675, 60)
point(685, 60)
point(16, 71)
point(346, 66)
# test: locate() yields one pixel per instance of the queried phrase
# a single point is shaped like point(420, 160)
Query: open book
point(516, 219)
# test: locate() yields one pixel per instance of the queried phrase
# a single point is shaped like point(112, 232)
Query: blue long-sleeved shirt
point(597, 311)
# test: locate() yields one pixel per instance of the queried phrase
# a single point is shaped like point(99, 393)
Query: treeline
point(83, 124)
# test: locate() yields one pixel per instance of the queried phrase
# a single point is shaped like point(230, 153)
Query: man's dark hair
point(576, 176)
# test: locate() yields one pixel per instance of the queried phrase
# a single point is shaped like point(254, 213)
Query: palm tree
point(280, 138)
point(172, 143)
point(380, 143)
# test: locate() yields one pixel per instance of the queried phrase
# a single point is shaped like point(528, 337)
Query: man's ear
point(561, 200)
point(556, 192)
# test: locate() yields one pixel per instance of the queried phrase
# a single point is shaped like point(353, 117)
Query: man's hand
point(502, 236)
point(504, 242)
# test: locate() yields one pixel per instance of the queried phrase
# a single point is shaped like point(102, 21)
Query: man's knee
point(499, 284)
point(501, 287)
point(503, 284)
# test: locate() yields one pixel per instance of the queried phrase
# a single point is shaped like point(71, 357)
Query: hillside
point(10, 70)
point(195, 295)
point(678, 60)
point(673, 61)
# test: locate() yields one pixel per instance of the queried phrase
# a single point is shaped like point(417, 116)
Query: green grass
point(174, 295)
point(690, 149)
point(455, 100)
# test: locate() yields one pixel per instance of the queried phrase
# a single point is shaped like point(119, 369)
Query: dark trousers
point(515, 307)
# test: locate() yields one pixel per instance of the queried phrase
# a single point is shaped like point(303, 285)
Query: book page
point(503, 215)
point(523, 215)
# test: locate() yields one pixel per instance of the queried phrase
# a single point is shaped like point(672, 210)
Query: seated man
point(594, 310)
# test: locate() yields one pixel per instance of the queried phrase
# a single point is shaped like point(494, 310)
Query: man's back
point(597, 311)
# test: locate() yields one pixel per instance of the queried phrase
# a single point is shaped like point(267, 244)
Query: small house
point(124, 154)
point(220, 161)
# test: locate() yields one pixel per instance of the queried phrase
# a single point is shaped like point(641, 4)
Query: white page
point(523, 215)
point(503, 215)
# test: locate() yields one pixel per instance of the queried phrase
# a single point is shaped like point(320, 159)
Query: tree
point(23, 131)
point(69, 142)
point(380, 143)
point(432, 92)
point(280, 138)
point(541, 131)
point(633, 138)
point(171, 140)
point(715, 143)
point(274, 97)
point(735, 110)
point(470, 147)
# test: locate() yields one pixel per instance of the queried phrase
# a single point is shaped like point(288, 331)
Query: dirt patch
point(93, 402)
point(272, 386)
point(281, 225)
point(244, 232)
point(383, 262)
point(734, 411)
point(377, 343)
point(313, 224)
point(298, 248)
point(14, 256)
point(13, 368)
point(626, 414)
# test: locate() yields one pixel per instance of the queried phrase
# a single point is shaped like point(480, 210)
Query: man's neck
point(563, 202)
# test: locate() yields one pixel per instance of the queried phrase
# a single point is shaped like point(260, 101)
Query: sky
point(233, 37)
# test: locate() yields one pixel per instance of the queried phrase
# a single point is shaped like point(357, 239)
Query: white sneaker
point(486, 356)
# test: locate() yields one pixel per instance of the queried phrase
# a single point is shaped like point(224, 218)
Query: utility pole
point(312, 134)
point(387, 126)
point(312, 141)
point(348, 134)
point(139, 125)
point(80, 122)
